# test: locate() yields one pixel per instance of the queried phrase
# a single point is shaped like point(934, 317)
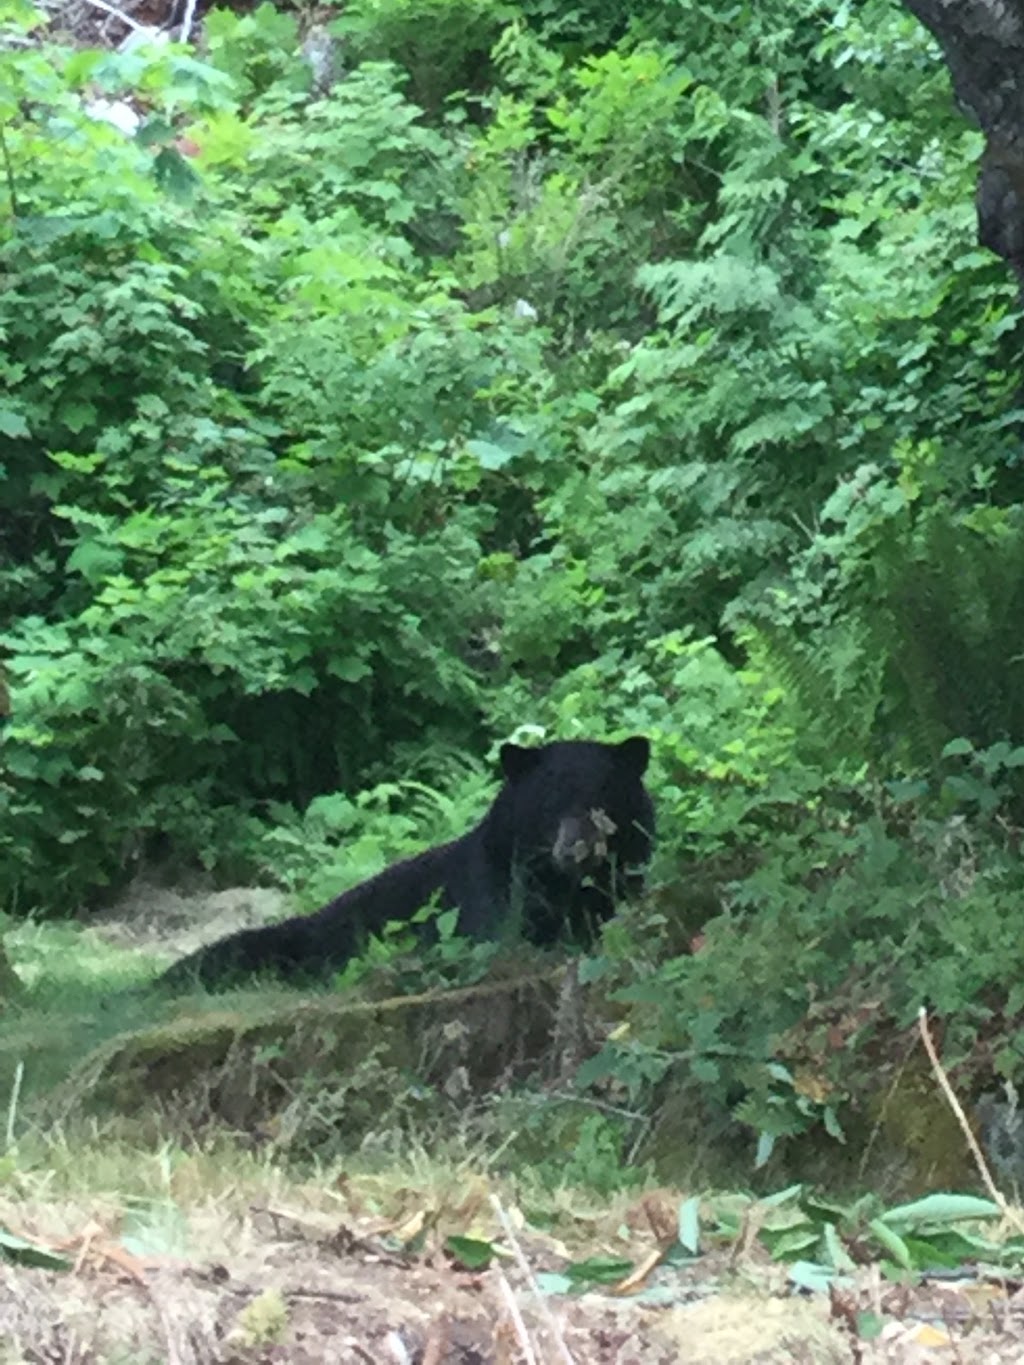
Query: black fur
point(567, 837)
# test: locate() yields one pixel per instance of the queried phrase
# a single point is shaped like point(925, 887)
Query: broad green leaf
point(816, 1278)
point(941, 1208)
point(787, 1242)
point(489, 455)
point(893, 1243)
point(550, 1282)
point(689, 1225)
point(837, 1253)
point(598, 1270)
point(16, 1249)
point(765, 1147)
point(95, 561)
point(789, 1194)
point(13, 424)
point(471, 1252)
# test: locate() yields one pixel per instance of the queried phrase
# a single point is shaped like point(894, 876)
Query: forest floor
point(282, 1282)
point(136, 1250)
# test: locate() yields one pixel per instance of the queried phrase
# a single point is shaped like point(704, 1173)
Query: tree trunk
point(983, 44)
point(11, 987)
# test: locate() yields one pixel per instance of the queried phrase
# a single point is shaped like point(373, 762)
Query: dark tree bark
point(11, 987)
point(983, 44)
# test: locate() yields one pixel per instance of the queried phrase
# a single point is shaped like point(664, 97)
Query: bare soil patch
point(175, 920)
point(274, 1284)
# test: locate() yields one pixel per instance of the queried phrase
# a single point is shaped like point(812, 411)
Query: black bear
point(567, 837)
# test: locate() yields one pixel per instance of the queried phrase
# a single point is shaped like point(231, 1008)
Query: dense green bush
point(553, 369)
point(798, 1007)
point(443, 46)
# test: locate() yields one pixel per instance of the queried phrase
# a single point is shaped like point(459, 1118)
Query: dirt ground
point(277, 1287)
point(177, 920)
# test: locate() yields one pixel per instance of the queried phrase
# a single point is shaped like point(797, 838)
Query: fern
point(901, 629)
point(954, 615)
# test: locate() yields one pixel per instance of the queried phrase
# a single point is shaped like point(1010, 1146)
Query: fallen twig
point(524, 1266)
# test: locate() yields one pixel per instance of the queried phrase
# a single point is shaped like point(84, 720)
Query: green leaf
point(315, 537)
point(598, 1270)
point(689, 1225)
point(154, 132)
point(19, 1251)
point(765, 1147)
point(837, 1253)
point(348, 670)
point(893, 1243)
point(786, 1196)
point(77, 416)
point(941, 1208)
point(816, 1278)
point(785, 1243)
point(550, 1282)
point(598, 1068)
point(943, 1249)
point(869, 1325)
point(94, 561)
point(832, 1124)
point(471, 1252)
point(488, 455)
point(13, 424)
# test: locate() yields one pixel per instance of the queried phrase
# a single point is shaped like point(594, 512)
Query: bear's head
point(577, 809)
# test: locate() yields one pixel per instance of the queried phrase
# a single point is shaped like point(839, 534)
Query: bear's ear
point(516, 761)
point(634, 754)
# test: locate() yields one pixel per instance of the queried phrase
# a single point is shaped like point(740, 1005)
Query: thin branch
point(518, 1325)
point(186, 23)
point(972, 1142)
point(524, 1266)
point(117, 13)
